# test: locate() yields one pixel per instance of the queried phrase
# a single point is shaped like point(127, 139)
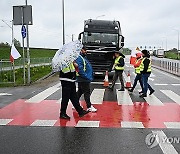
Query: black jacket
point(146, 63)
point(69, 75)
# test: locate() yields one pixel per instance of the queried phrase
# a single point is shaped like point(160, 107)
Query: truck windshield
point(100, 38)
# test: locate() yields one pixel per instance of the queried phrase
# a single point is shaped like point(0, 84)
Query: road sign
point(22, 11)
point(23, 31)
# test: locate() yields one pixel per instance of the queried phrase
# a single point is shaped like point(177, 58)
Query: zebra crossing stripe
point(87, 123)
point(43, 95)
point(153, 100)
point(44, 123)
point(167, 148)
point(5, 121)
point(123, 98)
point(97, 96)
point(127, 124)
point(175, 125)
point(172, 95)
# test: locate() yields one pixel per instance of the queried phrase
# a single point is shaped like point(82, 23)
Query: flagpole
point(14, 79)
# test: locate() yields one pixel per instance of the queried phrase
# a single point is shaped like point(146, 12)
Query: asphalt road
point(124, 123)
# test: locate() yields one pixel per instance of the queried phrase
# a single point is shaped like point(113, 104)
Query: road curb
point(44, 77)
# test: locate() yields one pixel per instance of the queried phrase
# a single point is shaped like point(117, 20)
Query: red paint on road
point(110, 114)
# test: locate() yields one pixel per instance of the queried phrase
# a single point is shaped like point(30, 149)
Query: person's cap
point(137, 49)
point(84, 47)
point(145, 52)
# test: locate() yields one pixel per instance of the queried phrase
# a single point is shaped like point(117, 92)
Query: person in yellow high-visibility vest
point(137, 71)
point(68, 78)
point(118, 66)
point(145, 69)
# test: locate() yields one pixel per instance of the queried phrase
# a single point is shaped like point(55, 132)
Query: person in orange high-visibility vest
point(137, 71)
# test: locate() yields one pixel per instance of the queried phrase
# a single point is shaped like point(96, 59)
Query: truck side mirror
point(79, 37)
point(122, 41)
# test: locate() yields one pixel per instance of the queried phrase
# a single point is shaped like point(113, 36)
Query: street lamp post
point(63, 22)
point(178, 41)
point(12, 29)
point(100, 16)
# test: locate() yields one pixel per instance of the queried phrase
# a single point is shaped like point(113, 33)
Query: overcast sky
point(143, 22)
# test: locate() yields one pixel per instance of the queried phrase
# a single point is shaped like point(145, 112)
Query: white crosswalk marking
point(175, 125)
point(132, 124)
point(97, 96)
point(172, 95)
point(43, 95)
point(153, 100)
point(167, 148)
point(5, 121)
point(123, 98)
point(151, 79)
point(87, 123)
point(44, 123)
point(152, 75)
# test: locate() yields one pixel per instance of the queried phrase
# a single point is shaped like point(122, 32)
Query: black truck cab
point(101, 38)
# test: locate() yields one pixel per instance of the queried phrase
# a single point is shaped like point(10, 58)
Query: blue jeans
point(146, 86)
point(137, 78)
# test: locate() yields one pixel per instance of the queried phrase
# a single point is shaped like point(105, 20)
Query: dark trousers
point(138, 78)
point(146, 86)
point(115, 77)
point(69, 92)
point(84, 88)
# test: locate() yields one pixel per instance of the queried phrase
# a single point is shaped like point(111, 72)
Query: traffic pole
point(28, 55)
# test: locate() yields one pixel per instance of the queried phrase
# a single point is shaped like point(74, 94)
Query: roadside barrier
point(168, 66)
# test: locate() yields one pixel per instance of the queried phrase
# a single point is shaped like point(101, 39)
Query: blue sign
point(23, 31)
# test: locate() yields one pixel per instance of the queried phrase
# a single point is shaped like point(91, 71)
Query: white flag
point(14, 53)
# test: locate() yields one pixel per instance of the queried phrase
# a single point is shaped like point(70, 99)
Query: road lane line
point(175, 84)
point(128, 124)
point(123, 98)
point(167, 148)
point(44, 123)
point(43, 95)
point(97, 96)
point(4, 122)
point(172, 95)
point(82, 123)
point(5, 94)
point(153, 100)
point(175, 125)
point(161, 84)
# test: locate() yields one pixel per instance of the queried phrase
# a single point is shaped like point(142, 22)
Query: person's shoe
point(110, 88)
point(122, 89)
point(64, 116)
point(140, 92)
point(151, 92)
point(84, 112)
point(130, 90)
point(143, 95)
point(92, 109)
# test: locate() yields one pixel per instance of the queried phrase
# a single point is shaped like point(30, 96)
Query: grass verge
point(36, 73)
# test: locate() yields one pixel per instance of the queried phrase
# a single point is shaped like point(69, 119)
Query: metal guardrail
point(168, 66)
